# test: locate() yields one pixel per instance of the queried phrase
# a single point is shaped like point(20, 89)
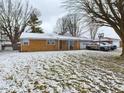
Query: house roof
point(38, 36)
point(111, 38)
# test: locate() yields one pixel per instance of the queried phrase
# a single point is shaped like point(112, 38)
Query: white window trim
point(51, 43)
point(25, 41)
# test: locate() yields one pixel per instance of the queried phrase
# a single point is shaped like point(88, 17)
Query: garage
point(84, 43)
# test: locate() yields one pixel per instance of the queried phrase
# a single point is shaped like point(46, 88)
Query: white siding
point(83, 44)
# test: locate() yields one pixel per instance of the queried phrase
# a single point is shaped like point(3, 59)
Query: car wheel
point(112, 49)
point(88, 48)
point(102, 49)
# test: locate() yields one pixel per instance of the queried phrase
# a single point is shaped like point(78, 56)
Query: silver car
point(98, 46)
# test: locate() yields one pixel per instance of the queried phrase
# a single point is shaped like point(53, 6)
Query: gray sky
point(51, 10)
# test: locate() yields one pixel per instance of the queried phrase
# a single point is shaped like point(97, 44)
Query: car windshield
point(103, 43)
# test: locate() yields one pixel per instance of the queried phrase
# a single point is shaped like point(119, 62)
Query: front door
point(70, 44)
point(60, 44)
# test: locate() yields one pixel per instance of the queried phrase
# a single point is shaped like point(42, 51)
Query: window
point(51, 42)
point(25, 42)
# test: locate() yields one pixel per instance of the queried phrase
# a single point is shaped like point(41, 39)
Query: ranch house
point(47, 42)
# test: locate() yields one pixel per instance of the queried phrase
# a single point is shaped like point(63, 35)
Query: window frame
point(51, 42)
point(25, 42)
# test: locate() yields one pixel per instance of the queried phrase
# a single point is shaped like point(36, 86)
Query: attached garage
point(84, 43)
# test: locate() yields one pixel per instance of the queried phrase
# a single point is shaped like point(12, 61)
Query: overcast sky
point(51, 10)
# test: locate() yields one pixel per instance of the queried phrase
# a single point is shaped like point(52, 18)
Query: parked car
point(113, 47)
point(98, 46)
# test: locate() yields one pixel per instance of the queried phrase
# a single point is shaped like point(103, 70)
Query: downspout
point(58, 44)
point(69, 44)
point(77, 44)
point(20, 45)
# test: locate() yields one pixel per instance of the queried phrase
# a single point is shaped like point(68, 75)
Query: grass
point(82, 72)
point(112, 63)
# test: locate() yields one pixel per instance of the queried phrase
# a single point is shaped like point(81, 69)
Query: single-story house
point(47, 42)
point(30, 42)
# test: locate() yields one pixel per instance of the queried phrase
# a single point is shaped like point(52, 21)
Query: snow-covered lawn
point(61, 72)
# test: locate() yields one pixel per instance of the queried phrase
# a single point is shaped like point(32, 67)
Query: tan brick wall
point(39, 45)
point(77, 45)
point(63, 45)
point(42, 45)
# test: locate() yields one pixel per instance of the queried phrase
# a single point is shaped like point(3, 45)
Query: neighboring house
point(47, 42)
point(110, 40)
point(85, 41)
point(5, 43)
point(114, 41)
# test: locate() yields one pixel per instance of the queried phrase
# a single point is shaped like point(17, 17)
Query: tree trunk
point(15, 46)
point(122, 49)
point(14, 42)
point(122, 37)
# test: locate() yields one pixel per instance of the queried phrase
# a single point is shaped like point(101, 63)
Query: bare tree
point(14, 16)
point(61, 26)
point(91, 28)
point(74, 24)
point(69, 23)
point(105, 12)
